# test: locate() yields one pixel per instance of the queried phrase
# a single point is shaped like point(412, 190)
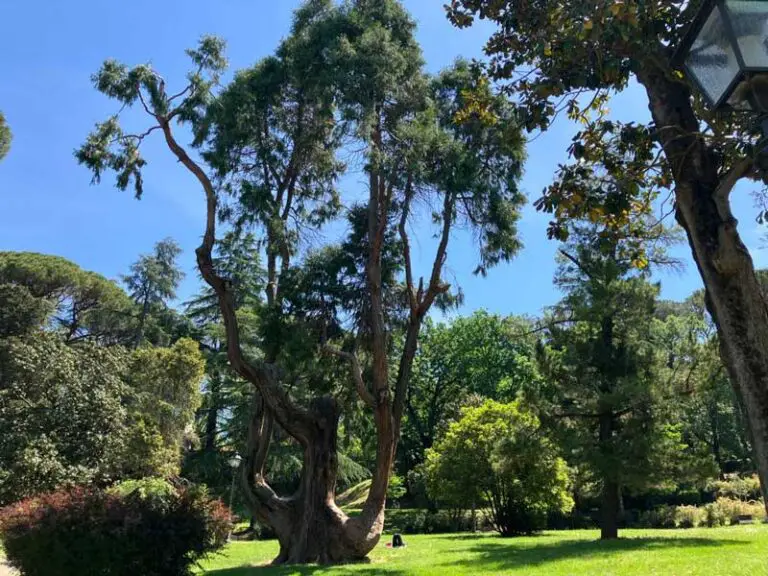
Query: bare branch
point(180, 94)
point(297, 421)
point(357, 373)
point(436, 286)
point(141, 136)
point(144, 103)
point(412, 296)
point(739, 170)
point(576, 261)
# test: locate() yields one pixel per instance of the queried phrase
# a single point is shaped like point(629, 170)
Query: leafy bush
point(661, 517)
point(735, 487)
point(420, 521)
point(497, 454)
point(714, 515)
point(723, 512)
point(396, 488)
point(689, 516)
point(731, 509)
point(145, 527)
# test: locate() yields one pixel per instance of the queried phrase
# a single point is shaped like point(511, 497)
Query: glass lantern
point(725, 52)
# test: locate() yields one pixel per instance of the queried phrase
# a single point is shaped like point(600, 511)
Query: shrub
point(714, 515)
point(395, 489)
point(142, 528)
point(500, 451)
point(731, 509)
point(419, 521)
point(661, 517)
point(737, 488)
point(689, 516)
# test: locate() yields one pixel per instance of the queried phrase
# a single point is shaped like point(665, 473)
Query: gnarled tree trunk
point(734, 297)
point(309, 525)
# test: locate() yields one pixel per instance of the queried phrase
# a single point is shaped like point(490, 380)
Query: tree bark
point(309, 526)
point(609, 501)
point(734, 298)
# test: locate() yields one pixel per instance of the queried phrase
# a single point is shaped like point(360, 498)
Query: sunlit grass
point(736, 551)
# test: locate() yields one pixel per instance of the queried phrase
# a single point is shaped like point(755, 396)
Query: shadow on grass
point(503, 553)
point(496, 554)
point(343, 570)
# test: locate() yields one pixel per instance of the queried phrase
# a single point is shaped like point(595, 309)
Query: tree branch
point(436, 286)
point(412, 297)
point(297, 421)
point(576, 262)
point(357, 373)
point(738, 171)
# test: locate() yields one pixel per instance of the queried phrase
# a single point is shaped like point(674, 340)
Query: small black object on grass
point(397, 541)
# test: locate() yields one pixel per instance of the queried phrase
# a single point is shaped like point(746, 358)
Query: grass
point(733, 551)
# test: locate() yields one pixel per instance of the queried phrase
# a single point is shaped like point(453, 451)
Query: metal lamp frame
point(691, 35)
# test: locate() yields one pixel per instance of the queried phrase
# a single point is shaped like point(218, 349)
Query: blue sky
point(48, 52)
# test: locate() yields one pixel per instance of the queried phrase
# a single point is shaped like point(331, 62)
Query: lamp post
point(234, 464)
point(725, 53)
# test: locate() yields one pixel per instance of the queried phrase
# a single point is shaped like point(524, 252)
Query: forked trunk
point(734, 296)
point(309, 526)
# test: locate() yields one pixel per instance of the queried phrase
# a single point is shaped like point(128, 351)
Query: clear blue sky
point(48, 50)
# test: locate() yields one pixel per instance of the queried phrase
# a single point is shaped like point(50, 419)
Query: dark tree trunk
point(141, 328)
point(212, 414)
point(610, 503)
point(609, 510)
point(734, 296)
point(717, 452)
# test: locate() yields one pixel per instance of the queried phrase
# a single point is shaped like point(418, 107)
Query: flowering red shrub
point(88, 532)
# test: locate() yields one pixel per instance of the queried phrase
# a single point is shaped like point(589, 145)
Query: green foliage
point(483, 355)
point(108, 147)
point(152, 282)
point(157, 489)
point(709, 410)
point(83, 305)
point(20, 311)
point(612, 406)
point(62, 418)
point(142, 528)
point(396, 488)
point(5, 137)
point(498, 453)
point(165, 393)
point(731, 510)
point(737, 488)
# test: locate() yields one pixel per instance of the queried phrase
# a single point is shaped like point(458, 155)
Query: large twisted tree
point(348, 82)
point(570, 57)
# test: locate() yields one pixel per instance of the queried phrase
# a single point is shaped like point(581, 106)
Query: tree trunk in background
point(139, 338)
point(212, 414)
point(610, 499)
point(734, 296)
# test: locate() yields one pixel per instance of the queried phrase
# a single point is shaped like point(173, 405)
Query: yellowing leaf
point(588, 25)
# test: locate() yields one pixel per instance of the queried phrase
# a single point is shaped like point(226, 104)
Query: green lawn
point(734, 551)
